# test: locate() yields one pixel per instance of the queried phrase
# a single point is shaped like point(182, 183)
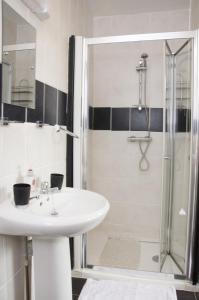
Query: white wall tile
point(133, 195)
point(194, 14)
point(3, 276)
point(15, 255)
point(162, 21)
point(39, 146)
point(177, 20)
point(115, 79)
point(14, 149)
point(24, 146)
point(15, 287)
point(3, 295)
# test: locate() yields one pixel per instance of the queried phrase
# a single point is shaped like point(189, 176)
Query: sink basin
point(51, 220)
point(77, 211)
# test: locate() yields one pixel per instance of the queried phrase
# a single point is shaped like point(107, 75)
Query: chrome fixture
point(35, 197)
point(44, 187)
point(46, 190)
point(58, 128)
point(40, 10)
point(4, 121)
point(142, 68)
point(139, 139)
point(39, 124)
point(142, 104)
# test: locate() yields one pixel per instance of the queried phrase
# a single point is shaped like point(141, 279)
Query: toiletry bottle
point(30, 179)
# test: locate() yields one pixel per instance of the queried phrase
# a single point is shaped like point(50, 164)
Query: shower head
point(144, 55)
point(143, 62)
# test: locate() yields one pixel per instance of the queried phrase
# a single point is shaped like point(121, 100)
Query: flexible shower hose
point(144, 159)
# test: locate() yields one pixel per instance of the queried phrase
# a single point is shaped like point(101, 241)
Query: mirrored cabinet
point(18, 59)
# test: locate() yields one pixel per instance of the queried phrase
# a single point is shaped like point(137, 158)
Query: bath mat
point(121, 253)
point(119, 290)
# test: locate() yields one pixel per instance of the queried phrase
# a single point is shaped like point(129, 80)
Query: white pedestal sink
point(50, 223)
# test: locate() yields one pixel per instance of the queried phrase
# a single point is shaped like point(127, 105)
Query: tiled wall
point(50, 107)
point(125, 119)
point(12, 252)
point(131, 119)
point(114, 162)
point(162, 21)
point(24, 146)
point(134, 195)
point(194, 14)
point(67, 17)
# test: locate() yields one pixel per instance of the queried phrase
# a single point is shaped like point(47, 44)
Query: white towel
point(119, 290)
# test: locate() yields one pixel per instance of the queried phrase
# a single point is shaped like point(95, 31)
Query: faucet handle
point(44, 187)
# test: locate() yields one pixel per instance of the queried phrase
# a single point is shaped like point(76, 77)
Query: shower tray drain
point(155, 258)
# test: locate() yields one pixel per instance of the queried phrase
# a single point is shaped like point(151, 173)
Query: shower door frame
point(81, 125)
point(171, 129)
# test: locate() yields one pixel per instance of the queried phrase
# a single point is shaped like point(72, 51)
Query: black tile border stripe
point(52, 113)
point(101, 118)
point(120, 119)
point(124, 118)
point(131, 119)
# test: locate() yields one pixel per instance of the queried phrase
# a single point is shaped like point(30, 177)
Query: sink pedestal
point(51, 269)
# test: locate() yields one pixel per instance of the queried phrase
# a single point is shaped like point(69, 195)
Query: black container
point(21, 193)
point(56, 180)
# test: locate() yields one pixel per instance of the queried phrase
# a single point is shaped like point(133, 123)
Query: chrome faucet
point(45, 190)
point(34, 197)
point(44, 187)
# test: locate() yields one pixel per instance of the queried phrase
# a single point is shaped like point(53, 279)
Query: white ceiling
point(120, 7)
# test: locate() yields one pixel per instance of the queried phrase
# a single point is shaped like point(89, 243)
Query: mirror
point(18, 59)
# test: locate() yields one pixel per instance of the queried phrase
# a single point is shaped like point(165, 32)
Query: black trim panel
point(124, 118)
point(102, 118)
point(70, 113)
point(50, 105)
point(37, 113)
point(62, 103)
point(120, 118)
point(14, 113)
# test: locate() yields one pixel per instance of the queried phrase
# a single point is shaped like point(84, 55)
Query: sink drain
point(155, 258)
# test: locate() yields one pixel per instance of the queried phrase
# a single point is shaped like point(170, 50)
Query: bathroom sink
point(51, 220)
point(67, 213)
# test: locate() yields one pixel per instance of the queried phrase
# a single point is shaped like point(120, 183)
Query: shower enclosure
point(177, 152)
point(151, 222)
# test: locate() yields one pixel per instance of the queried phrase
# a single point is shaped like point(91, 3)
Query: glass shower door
point(176, 153)
point(181, 154)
